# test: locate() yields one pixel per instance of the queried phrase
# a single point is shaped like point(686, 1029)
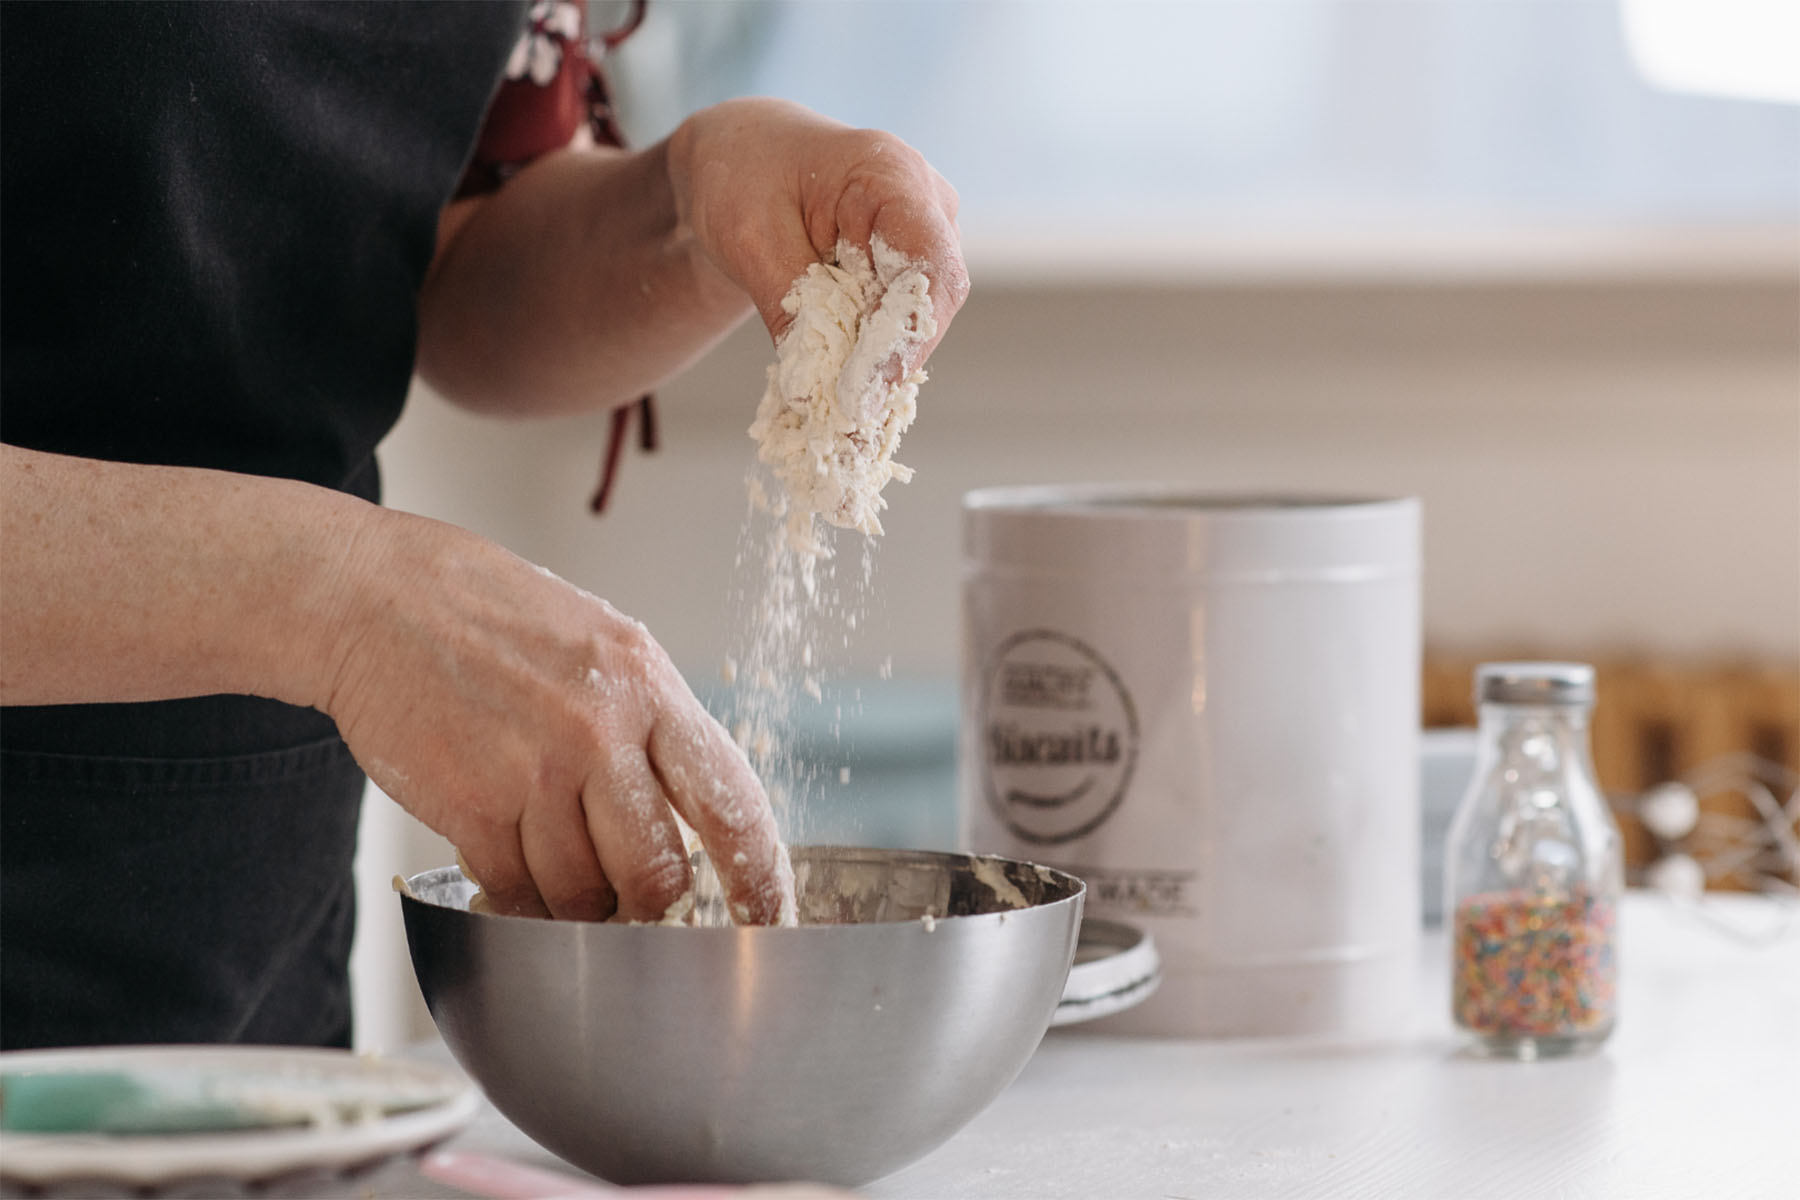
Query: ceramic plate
point(252, 1156)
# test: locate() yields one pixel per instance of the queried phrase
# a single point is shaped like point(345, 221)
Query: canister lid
point(1116, 966)
point(1150, 531)
point(1565, 683)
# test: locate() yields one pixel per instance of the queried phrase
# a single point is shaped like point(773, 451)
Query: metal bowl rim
point(1077, 894)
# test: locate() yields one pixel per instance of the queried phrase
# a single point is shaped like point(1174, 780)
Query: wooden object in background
point(1654, 721)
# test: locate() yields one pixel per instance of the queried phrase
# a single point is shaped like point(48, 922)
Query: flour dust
point(836, 401)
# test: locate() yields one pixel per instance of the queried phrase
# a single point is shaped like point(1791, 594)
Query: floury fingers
point(831, 417)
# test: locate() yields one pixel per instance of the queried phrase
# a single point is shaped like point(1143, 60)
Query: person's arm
point(537, 728)
point(594, 274)
point(121, 582)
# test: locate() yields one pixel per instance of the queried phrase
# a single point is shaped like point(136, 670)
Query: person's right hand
point(543, 732)
point(768, 188)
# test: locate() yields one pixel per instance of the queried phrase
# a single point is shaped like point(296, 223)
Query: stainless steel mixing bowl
point(834, 1052)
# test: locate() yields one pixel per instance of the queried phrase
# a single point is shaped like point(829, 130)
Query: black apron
point(178, 899)
point(215, 222)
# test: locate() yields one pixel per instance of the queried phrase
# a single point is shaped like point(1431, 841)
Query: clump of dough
point(830, 419)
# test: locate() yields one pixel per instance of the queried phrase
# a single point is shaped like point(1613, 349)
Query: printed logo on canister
point(1059, 737)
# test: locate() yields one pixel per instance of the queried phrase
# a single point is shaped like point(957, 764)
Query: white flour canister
point(1208, 708)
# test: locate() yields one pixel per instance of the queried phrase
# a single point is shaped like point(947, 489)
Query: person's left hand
point(768, 188)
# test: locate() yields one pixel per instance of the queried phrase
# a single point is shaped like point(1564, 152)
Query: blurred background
point(1535, 261)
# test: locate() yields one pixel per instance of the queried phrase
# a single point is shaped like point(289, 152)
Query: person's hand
point(543, 732)
point(768, 188)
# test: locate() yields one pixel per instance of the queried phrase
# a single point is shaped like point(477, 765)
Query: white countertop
point(1697, 1094)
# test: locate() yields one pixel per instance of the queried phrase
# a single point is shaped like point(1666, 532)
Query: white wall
point(1605, 465)
point(1610, 464)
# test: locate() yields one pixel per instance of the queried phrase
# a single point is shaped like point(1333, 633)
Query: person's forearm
point(122, 582)
point(574, 287)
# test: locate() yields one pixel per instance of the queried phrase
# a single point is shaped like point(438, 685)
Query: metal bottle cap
point(1564, 683)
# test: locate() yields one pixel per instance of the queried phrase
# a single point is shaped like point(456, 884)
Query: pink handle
point(501, 1179)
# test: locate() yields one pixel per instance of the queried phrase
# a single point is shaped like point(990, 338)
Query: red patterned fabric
point(553, 88)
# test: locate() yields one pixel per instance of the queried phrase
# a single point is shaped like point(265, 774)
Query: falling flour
point(835, 402)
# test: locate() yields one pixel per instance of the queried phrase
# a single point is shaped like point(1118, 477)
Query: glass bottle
point(1534, 869)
